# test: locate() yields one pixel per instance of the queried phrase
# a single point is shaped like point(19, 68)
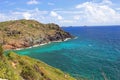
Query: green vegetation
point(16, 67)
point(1, 51)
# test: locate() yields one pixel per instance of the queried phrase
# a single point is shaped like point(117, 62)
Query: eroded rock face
point(26, 33)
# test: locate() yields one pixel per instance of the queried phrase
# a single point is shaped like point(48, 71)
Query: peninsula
point(27, 33)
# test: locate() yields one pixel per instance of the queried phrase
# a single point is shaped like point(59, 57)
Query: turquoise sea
point(94, 54)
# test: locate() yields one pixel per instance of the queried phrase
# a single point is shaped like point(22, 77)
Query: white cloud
point(60, 17)
point(5, 17)
point(69, 11)
point(26, 15)
point(67, 21)
point(35, 14)
point(87, 13)
point(118, 9)
point(107, 2)
point(32, 2)
point(56, 15)
point(99, 13)
point(76, 17)
point(51, 4)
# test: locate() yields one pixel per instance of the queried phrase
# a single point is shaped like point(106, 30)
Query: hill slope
point(26, 33)
point(15, 67)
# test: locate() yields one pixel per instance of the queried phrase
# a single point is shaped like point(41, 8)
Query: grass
point(16, 67)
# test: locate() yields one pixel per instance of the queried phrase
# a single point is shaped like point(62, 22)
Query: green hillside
point(15, 67)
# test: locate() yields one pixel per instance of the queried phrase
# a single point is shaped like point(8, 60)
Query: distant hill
point(25, 33)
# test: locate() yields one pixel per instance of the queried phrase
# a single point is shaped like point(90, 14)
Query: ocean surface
point(94, 54)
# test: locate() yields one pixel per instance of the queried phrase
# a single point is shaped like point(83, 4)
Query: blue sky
point(63, 12)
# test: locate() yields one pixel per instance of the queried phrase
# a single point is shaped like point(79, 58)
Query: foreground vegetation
point(16, 67)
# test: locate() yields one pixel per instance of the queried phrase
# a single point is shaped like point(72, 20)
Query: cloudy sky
point(63, 12)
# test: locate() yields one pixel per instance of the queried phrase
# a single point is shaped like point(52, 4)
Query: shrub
point(28, 73)
point(1, 51)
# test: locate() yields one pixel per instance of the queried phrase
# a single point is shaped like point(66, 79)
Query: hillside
point(25, 33)
point(15, 67)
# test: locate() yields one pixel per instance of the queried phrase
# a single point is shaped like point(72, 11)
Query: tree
point(1, 51)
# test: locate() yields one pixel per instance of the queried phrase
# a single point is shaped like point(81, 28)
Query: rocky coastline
point(20, 34)
point(37, 45)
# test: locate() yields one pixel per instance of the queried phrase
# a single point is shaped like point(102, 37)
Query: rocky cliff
point(26, 33)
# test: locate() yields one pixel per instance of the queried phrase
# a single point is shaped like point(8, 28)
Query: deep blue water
point(95, 54)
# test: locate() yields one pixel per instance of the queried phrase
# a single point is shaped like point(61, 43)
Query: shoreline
point(37, 45)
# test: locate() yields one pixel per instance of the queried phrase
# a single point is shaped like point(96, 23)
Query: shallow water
point(95, 54)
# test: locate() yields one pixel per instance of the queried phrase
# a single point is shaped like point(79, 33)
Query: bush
point(1, 51)
point(28, 73)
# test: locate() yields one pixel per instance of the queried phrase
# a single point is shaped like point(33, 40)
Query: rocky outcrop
point(26, 33)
